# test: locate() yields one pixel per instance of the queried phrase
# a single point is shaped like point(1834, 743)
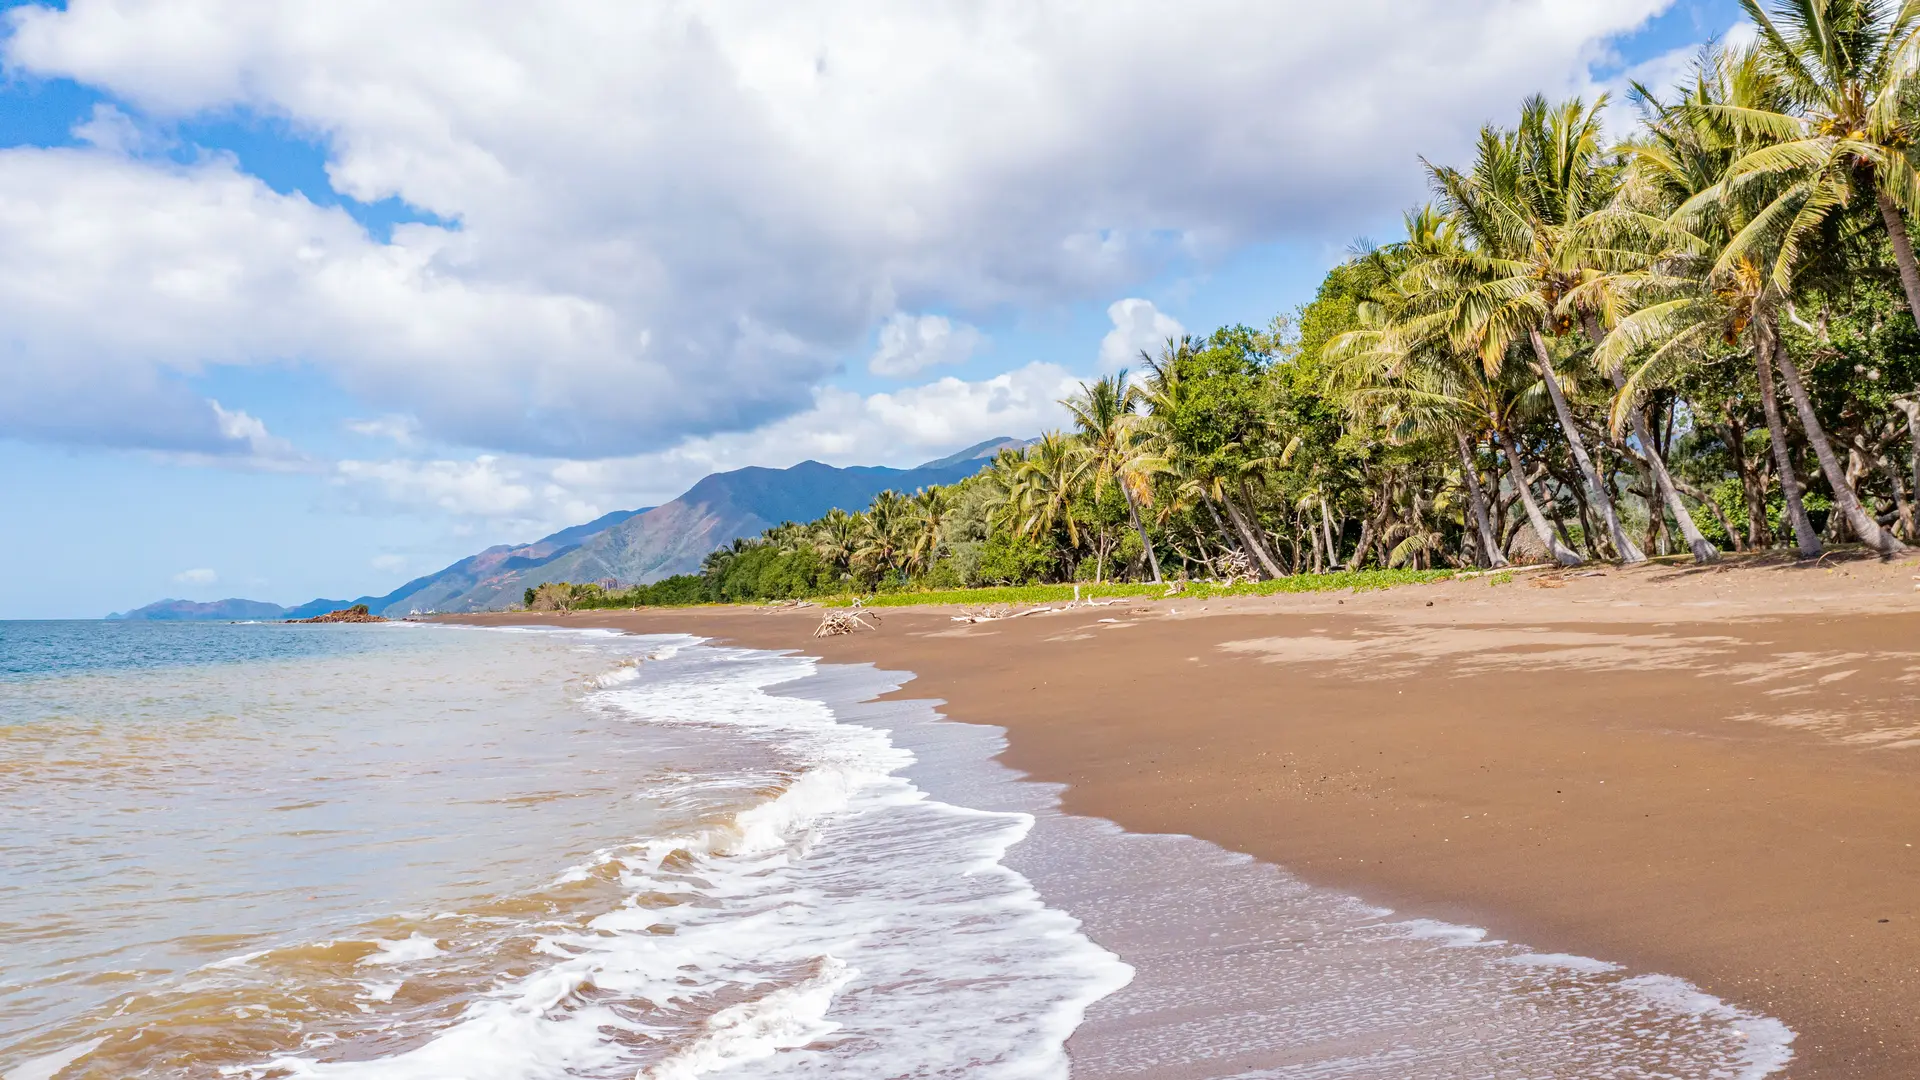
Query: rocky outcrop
point(356, 613)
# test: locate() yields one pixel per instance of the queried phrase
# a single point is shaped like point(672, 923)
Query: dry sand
point(1710, 773)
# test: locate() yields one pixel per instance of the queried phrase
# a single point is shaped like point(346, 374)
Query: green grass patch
point(1355, 580)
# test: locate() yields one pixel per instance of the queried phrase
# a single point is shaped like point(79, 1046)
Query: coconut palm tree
point(1840, 122)
point(883, 533)
point(1050, 477)
point(1405, 362)
point(1721, 276)
point(836, 536)
point(1521, 207)
point(1114, 448)
point(927, 518)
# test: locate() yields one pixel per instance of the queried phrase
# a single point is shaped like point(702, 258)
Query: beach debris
point(845, 621)
point(1548, 583)
point(1232, 567)
point(995, 614)
point(358, 613)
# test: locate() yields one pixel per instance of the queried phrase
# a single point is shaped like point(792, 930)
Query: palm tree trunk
point(1478, 500)
point(1622, 543)
point(1703, 549)
point(1326, 526)
point(1152, 559)
point(1862, 523)
point(1902, 250)
point(1561, 553)
point(1225, 533)
point(1804, 537)
point(1251, 539)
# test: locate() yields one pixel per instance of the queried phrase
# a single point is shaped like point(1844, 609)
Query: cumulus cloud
point(910, 344)
point(200, 577)
point(674, 219)
point(1138, 327)
point(529, 496)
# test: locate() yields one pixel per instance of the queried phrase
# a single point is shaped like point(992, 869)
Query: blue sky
point(449, 290)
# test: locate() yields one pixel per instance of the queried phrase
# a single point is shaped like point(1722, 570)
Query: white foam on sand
point(845, 924)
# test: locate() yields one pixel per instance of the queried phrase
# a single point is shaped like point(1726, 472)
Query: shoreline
point(1707, 773)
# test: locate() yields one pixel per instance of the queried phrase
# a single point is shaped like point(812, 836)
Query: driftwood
point(1232, 567)
point(845, 621)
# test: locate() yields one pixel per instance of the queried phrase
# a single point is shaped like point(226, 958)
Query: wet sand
point(1713, 774)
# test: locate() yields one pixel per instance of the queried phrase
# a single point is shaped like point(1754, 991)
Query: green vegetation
point(1577, 352)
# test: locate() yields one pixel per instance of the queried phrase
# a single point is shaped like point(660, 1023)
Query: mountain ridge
point(626, 546)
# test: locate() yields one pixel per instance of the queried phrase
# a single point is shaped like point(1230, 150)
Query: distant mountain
point(979, 451)
point(213, 611)
point(627, 546)
point(422, 593)
point(673, 538)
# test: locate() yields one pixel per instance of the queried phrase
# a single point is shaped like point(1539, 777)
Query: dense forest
point(1696, 339)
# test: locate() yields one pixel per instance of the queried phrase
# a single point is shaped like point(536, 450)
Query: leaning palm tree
point(1114, 448)
point(1404, 364)
point(1521, 207)
point(1840, 122)
point(1722, 277)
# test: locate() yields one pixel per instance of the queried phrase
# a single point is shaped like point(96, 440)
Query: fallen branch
point(844, 621)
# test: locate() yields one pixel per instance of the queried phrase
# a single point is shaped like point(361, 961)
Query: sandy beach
point(1710, 773)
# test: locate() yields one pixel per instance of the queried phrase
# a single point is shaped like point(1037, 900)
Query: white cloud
point(1138, 327)
point(674, 218)
point(114, 131)
point(199, 577)
point(401, 430)
point(910, 344)
point(482, 487)
point(529, 496)
point(1662, 74)
point(388, 564)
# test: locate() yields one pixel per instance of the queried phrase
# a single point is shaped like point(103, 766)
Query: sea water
point(435, 852)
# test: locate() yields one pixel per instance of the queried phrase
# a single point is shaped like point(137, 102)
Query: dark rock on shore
point(356, 614)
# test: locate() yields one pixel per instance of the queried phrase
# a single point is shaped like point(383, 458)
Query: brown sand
point(1710, 774)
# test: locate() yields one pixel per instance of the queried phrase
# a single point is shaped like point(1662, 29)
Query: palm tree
point(1522, 206)
point(1841, 120)
point(928, 517)
point(882, 534)
point(1113, 448)
point(837, 538)
point(1405, 363)
point(1722, 276)
point(1049, 478)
